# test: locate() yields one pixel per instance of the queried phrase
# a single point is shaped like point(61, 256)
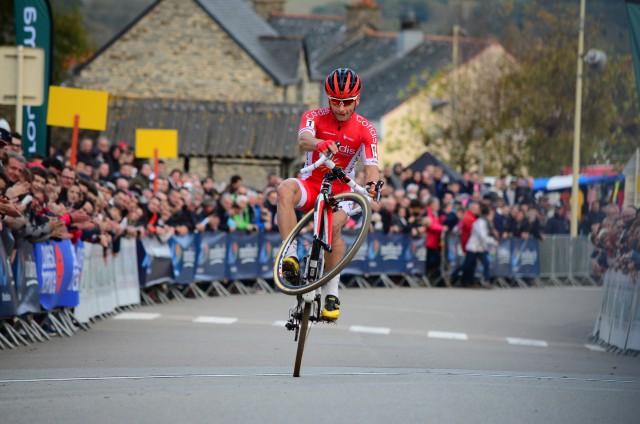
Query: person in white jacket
point(478, 247)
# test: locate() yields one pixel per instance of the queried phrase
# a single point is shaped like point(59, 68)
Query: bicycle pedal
point(290, 326)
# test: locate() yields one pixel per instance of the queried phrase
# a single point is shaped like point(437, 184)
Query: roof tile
point(219, 129)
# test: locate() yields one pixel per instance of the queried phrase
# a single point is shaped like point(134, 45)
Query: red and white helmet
point(342, 83)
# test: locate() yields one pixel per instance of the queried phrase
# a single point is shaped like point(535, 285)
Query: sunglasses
point(342, 102)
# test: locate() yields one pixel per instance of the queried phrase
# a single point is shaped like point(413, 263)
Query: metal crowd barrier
point(556, 260)
point(72, 285)
point(618, 323)
point(566, 260)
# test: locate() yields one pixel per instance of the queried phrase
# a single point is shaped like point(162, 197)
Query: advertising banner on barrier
point(242, 256)
point(357, 265)
point(8, 299)
point(525, 261)
point(269, 246)
point(453, 250)
point(157, 265)
point(385, 254)
point(184, 255)
point(54, 265)
point(211, 263)
point(501, 265)
point(415, 256)
point(26, 278)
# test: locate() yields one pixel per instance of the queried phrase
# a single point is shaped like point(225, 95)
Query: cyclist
point(319, 131)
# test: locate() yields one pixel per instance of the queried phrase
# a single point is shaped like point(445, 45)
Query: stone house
point(182, 54)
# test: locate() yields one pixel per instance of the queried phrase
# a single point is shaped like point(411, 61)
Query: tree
point(72, 42)
point(541, 95)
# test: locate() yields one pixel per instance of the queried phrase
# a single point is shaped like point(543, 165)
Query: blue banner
point(185, 251)
point(453, 250)
point(211, 263)
point(525, 259)
point(386, 253)
point(269, 246)
point(501, 264)
point(415, 256)
point(54, 266)
point(358, 265)
point(157, 265)
point(242, 256)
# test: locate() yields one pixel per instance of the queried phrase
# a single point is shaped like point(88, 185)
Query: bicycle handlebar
point(326, 160)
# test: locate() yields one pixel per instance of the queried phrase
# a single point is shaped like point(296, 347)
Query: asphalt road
point(400, 355)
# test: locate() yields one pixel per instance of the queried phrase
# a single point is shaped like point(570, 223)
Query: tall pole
point(454, 73)
point(576, 127)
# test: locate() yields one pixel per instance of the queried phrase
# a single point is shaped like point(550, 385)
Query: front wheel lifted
point(297, 235)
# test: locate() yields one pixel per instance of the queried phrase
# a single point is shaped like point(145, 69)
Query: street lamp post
point(576, 132)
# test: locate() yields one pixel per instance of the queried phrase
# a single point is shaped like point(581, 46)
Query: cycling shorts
point(311, 189)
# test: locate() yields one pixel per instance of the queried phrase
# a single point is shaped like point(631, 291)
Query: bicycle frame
point(322, 229)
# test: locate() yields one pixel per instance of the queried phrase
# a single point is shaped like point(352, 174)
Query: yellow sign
point(166, 141)
point(90, 105)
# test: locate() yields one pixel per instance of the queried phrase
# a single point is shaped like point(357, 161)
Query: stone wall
point(178, 51)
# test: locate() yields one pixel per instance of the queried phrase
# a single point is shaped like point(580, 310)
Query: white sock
point(331, 288)
point(292, 250)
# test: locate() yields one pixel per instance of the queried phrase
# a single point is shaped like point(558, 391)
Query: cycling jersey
point(357, 137)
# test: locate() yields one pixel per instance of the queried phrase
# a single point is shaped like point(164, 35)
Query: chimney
point(264, 8)
point(363, 13)
point(410, 34)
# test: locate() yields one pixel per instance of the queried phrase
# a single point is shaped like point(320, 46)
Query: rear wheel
point(302, 235)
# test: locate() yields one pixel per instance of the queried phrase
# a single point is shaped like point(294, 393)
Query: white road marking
point(526, 342)
point(447, 335)
point(369, 330)
point(279, 324)
point(595, 348)
point(320, 372)
point(137, 315)
point(215, 320)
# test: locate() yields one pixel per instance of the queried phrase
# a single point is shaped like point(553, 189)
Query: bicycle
point(312, 246)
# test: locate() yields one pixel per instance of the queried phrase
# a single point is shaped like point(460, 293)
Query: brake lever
point(379, 185)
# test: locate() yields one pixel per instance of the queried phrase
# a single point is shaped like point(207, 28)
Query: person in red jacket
point(434, 229)
point(466, 224)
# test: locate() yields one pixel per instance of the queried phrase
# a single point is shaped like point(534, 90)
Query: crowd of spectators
point(430, 202)
point(109, 194)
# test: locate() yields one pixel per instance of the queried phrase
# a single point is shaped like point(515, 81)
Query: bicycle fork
point(295, 314)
